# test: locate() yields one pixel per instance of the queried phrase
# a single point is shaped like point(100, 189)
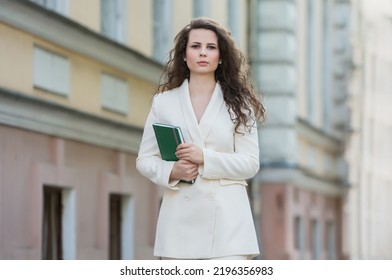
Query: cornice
point(322, 138)
point(30, 113)
point(301, 178)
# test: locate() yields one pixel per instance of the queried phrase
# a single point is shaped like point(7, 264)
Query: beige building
point(76, 82)
point(73, 103)
point(368, 224)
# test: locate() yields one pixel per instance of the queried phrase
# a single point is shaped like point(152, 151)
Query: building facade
point(73, 104)
point(367, 223)
point(300, 58)
point(76, 83)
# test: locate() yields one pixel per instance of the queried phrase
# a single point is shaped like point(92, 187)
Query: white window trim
point(69, 224)
point(127, 228)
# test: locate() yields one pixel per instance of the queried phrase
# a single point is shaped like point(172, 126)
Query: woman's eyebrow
point(208, 44)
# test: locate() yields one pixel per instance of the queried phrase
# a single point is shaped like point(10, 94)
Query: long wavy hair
point(233, 74)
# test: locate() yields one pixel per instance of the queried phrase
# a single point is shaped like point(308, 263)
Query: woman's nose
point(202, 52)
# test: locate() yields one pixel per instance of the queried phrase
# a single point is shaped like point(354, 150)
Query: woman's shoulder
point(168, 94)
point(166, 97)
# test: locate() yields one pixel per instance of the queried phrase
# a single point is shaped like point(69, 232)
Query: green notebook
point(168, 138)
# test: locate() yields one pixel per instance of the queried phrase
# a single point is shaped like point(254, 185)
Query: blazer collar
point(199, 131)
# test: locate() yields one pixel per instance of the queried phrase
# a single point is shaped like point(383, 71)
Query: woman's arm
point(241, 164)
point(150, 164)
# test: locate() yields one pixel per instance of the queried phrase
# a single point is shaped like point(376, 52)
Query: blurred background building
point(368, 225)
point(76, 83)
point(300, 59)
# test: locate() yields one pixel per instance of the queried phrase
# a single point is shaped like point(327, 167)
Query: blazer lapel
point(198, 132)
point(189, 115)
point(212, 111)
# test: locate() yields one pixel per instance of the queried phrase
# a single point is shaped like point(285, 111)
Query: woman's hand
point(184, 170)
point(190, 152)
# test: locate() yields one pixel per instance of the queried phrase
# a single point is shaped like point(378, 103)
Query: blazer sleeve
point(241, 164)
point(149, 162)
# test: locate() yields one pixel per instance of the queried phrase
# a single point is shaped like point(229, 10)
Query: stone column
point(274, 53)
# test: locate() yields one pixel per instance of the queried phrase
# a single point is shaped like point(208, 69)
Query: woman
point(208, 94)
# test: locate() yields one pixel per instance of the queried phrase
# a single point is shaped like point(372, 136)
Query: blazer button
point(211, 197)
point(187, 198)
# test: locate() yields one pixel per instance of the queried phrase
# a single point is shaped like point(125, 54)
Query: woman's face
point(202, 52)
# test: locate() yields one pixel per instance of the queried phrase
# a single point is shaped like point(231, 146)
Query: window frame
point(162, 29)
point(114, 94)
point(51, 72)
point(114, 20)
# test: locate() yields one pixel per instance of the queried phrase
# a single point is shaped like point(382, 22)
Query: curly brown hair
point(233, 74)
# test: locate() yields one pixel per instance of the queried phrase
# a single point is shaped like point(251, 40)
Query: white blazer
point(212, 217)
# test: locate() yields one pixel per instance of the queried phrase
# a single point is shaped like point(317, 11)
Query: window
point(162, 16)
point(58, 224)
point(58, 6)
point(120, 227)
point(201, 8)
point(114, 94)
point(316, 240)
point(311, 157)
point(299, 236)
point(373, 71)
point(331, 241)
point(326, 66)
point(328, 165)
point(310, 60)
point(115, 227)
point(52, 238)
point(235, 19)
point(114, 19)
point(51, 72)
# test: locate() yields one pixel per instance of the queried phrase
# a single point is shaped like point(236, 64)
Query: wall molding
point(27, 112)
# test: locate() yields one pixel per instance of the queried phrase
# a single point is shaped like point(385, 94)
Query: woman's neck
point(202, 85)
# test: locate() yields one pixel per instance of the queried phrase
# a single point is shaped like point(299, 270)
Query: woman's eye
point(211, 47)
point(194, 46)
